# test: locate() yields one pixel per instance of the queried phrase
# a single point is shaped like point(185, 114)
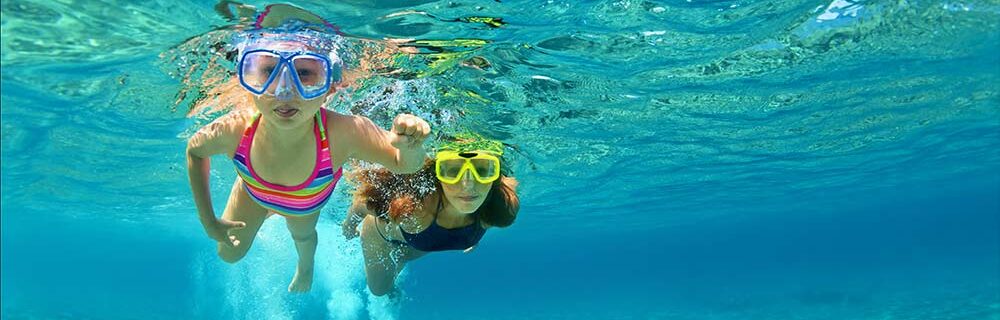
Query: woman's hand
point(355, 214)
point(219, 229)
point(350, 226)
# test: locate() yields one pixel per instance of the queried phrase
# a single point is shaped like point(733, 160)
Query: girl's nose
point(284, 87)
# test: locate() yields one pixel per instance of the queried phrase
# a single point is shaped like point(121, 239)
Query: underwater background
point(678, 160)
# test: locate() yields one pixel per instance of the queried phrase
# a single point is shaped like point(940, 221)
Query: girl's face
point(286, 108)
point(467, 194)
point(288, 113)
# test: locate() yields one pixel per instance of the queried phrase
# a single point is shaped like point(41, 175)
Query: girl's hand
point(219, 231)
point(410, 131)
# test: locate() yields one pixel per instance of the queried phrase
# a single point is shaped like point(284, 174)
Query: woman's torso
point(429, 230)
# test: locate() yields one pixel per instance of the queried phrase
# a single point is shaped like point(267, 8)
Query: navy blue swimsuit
point(437, 238)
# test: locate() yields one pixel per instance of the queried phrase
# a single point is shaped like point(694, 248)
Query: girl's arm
point(215, 138)
point(401, 150)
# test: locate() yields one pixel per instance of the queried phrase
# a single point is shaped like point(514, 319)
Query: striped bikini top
point(302, 199)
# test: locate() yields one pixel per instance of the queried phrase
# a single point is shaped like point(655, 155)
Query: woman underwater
point(289, 152)
point(447, 205)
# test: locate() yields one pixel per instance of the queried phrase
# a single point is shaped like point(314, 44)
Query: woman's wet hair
point(394, 196)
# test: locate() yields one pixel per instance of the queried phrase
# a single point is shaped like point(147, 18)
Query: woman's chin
point(467, 210)
point(468, 207)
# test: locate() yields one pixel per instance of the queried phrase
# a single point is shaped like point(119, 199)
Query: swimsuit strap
point(301, 199)
point(379, 230)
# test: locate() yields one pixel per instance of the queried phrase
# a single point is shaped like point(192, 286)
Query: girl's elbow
point(409, 167)
point(192, 154)
point(403, 166)
point(400, 169)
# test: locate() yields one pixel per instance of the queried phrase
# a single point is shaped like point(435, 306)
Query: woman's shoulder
point(429, 205)
point(424, 212)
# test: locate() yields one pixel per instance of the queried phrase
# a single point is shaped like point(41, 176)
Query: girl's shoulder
point(223, 134)
point(339, 122)
point(346, 131)
point(234, 122)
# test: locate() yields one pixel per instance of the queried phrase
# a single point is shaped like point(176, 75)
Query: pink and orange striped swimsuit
point(303, 199)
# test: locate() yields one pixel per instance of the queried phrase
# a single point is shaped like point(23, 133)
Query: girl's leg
point(303, 230)
point(241, 208)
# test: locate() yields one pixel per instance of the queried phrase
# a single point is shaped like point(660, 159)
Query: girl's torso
point(295, 178)
point(235, 125)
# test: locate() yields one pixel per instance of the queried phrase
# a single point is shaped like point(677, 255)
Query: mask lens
point(257, 67)
point(450, 169)
point(313, 73)
point(485, 168)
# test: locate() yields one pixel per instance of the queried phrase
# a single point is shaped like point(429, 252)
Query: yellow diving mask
point(451, 166)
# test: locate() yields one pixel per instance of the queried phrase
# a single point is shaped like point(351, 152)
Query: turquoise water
point(678, 160)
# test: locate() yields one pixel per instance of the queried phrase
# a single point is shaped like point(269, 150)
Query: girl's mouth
point(286, 112)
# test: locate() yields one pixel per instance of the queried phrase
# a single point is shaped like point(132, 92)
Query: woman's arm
point(418, 219)
point(355, 214)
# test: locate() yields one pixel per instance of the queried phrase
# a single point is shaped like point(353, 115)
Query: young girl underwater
point(288, 154)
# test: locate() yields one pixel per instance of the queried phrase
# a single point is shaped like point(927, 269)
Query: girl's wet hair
point(316, 37)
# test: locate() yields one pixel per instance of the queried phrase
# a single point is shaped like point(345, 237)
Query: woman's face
point(467, 194)
point(286, 108)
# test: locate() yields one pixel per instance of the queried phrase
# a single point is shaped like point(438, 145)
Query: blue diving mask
point(278, 73)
